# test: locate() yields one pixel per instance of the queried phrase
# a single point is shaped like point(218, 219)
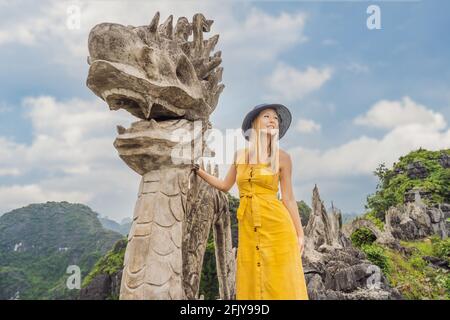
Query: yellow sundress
point(269, 264)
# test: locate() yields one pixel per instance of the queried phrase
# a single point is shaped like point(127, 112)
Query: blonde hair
point(258, 144)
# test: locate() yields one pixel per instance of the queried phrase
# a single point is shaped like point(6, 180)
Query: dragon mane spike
point(197, 26)
point(154, 24)
point(167, 28)
point(210, 45)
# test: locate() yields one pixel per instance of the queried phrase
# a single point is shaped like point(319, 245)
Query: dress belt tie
point(248, 200)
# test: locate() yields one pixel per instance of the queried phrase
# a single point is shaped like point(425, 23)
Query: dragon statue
point(170, 83)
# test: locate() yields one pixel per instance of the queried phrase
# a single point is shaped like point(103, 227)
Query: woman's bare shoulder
point(285, 158)
point(284, 154)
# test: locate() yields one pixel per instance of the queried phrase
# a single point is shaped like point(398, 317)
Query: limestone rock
point(102, 287)
point(414, 221)
point(416, 170)
point(333, 268)
point(444, 160)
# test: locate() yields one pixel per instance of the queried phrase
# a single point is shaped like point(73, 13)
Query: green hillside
point(38, 242)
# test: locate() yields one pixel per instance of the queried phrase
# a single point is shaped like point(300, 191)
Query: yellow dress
point(268, 265)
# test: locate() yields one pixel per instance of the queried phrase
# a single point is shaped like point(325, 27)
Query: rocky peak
point(333, 268)
point(323, 229)
point(415, 220)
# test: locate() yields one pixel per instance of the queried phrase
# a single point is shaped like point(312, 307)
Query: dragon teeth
point(147, 109)
point(120, 129)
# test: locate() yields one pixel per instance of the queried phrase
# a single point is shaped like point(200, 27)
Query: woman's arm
point(287, 194)
point(222, 185)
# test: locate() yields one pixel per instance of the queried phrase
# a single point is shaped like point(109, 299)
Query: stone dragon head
point(158, 75)
point(154, 71)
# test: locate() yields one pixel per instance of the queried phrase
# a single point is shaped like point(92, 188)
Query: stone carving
point(170, 83)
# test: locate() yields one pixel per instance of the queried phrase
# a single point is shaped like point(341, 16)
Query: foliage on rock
point(425, 170)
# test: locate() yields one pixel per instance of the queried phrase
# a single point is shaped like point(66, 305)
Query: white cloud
point(244, 36)
point(70, 134)
point(72, 150)
point(390, 114)
point(12, 156)
point(261, 36)
point(16, 196)
point(290, 84)
point(362, 155)
point(49, 26)
point(307, 126)
point(9, 172)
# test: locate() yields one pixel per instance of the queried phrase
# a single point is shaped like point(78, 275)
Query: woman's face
point(268, 120)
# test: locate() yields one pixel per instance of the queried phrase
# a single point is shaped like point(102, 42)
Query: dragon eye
point(184, 71)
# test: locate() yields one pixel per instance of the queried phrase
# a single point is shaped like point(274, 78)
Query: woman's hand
point(195, 168)
point(301, 244)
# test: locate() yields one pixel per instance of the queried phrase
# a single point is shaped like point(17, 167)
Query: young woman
point(271, 240)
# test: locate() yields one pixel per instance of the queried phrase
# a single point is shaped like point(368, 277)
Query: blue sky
point(358, 97)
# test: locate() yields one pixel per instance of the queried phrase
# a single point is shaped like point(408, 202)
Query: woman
point(271, 239)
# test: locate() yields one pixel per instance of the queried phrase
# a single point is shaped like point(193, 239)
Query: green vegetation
point(209, 285)
point(109, 264)
point(414, 277)
point(393, 183)
point(441, 248)
point(410, 274)
point(38, 242)
point(305, 212)
point(377, 221)
point(377, 255)
point(432, 246)
point(362, 236)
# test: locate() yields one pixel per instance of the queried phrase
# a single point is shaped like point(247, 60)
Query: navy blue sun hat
point(284, 118)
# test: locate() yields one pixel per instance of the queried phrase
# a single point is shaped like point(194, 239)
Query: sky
point(358, 96)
